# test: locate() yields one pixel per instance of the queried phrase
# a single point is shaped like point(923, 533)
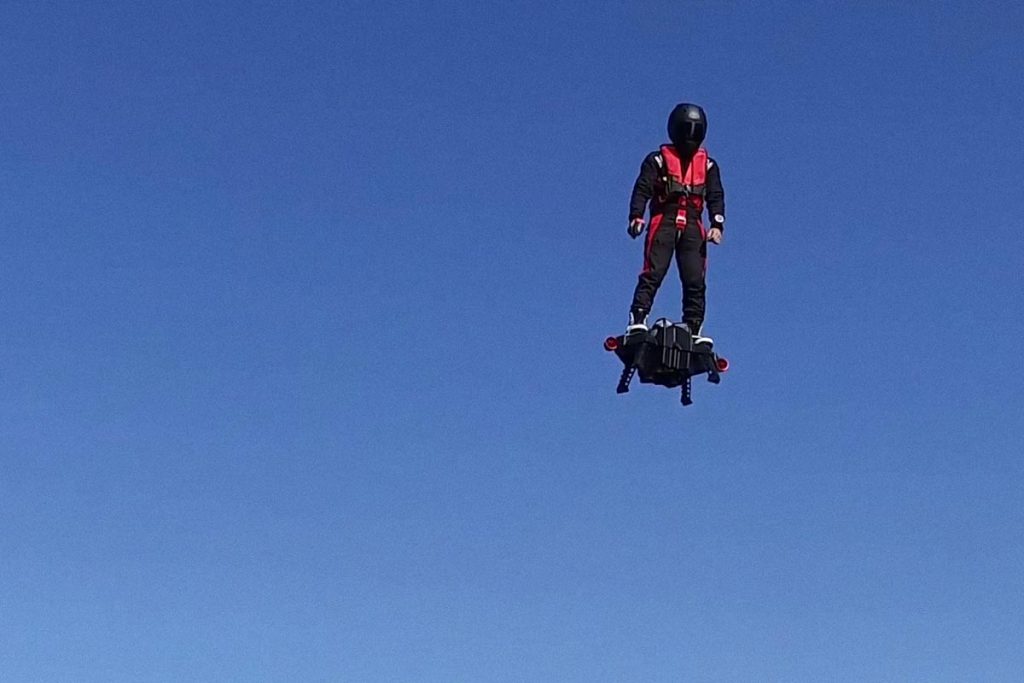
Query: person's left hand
point(715, 235)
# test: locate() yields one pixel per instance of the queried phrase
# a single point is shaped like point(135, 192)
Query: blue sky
point(301, 376)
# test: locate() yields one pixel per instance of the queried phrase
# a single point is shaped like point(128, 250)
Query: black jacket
point(648, 187)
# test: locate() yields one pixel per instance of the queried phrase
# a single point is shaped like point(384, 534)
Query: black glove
point(636, 227)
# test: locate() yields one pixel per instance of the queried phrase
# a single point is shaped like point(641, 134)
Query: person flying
point(678, 181)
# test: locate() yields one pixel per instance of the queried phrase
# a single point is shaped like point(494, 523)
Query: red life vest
point(683, 189)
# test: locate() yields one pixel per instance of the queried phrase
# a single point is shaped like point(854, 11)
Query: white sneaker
point(636, 325)
point(698, 338)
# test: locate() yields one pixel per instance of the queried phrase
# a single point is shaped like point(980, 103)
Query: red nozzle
point(611, 343)
point(722, 364)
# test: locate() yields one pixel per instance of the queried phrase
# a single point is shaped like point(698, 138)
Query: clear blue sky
point(301, 375)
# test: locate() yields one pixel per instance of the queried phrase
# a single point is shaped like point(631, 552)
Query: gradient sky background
point(301, 374)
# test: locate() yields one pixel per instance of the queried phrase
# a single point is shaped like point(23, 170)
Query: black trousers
point(665, 239)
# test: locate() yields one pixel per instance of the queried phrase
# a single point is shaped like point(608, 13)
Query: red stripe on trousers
point(655, 224)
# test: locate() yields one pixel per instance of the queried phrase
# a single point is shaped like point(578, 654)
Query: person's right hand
point(636, 227)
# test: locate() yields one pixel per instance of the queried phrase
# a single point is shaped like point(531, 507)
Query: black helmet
point(687, 126)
